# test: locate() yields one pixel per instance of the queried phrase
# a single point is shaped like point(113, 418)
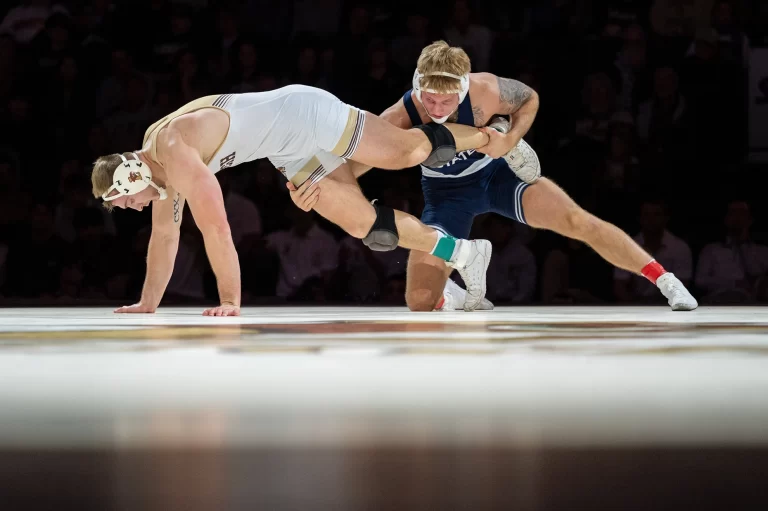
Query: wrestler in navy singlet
point(472, 184)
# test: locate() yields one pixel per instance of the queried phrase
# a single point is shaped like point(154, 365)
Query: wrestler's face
point(137, 201)
point(439, 105)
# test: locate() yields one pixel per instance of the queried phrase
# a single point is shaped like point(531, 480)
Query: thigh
point(547, 206)
point(342, 202)
point(371, 140)
point(506, 192)
point(313, 168)
point(450, 205)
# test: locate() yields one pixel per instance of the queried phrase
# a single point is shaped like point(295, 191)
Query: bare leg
point(425, 281)
point(343, 203)
point(547, 206)
point(386, 146)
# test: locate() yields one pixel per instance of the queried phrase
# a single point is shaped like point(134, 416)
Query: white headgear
point(131, 177)
point(463, 83)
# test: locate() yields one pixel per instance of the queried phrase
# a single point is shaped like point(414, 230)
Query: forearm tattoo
point(177, 208)
point(513, 95)
point(478, 115)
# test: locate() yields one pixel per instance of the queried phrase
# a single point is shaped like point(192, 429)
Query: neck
point(158, 173)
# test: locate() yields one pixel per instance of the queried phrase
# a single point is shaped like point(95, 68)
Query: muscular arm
point(518, 101)
point(163, 244)
point(189, 175)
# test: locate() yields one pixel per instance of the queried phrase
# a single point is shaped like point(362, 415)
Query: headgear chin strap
point(463, 83)
point(131, 177)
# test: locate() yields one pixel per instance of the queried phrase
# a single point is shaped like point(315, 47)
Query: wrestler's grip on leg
point(305, 196)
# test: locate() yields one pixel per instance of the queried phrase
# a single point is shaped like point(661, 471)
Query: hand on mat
point(498, 144)
point(305, 196)
point(136, 308)
point(223, 310)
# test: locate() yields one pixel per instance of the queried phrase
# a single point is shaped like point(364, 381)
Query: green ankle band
point(444, 248)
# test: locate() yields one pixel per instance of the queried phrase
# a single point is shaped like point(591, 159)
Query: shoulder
point(398, 115)
point(483, 83)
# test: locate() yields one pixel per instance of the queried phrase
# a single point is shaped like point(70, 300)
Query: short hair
point(441, 57)
point(101, 177)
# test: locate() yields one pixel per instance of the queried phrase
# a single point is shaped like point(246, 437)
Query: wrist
point(512, 139)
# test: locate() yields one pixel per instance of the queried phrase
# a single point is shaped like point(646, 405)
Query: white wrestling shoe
point(454, 297)
point(522, 159)
point(674, 290)
point(524, 162)
point(471, 261)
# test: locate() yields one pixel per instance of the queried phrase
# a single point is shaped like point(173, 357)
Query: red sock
point(440, 303)
point(653, 271)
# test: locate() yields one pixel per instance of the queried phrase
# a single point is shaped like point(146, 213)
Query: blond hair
point(103, 171)
point(441, 57)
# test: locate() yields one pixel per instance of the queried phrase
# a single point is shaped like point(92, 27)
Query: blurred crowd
point(643, 121)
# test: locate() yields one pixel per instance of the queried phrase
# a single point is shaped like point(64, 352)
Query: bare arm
point(186, 170)
point(517, 100)
point(521, 103)
point(163, 245)
point(161, 255)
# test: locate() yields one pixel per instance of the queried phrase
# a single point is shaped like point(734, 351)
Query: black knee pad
point(443, 144)
point(383, 236)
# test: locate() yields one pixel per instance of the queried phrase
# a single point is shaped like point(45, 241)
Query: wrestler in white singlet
point(305, 132)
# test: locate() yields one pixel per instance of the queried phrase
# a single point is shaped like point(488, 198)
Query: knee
point(579, 224)
point(358, 227)
point(421, 300)
point(418, 150)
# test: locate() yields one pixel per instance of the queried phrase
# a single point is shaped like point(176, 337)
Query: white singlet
point(304, 131)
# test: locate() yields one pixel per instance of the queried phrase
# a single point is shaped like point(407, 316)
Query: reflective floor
point(379, 408)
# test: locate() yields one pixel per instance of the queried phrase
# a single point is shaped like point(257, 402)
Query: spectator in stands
point(671, 252)
point(122, 69)
point(733, 42)
point(619, 176)
point(190, 80)
point(53, 44)
point(243, 215)
point(227, 42)
point(407, 47)
point(191, 267)
point(35, 259)
point(305, 251)
point(599, 99)
point(126, 125)
point(513, 266)
point(245, 72)
point(27, 20)
point(632, 66)
point(476, 39)
point(573, 273)
point(730, 271)
point(664, 123)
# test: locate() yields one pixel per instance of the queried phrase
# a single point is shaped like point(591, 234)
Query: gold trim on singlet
point(312, 170)
point(217, 101)
point(353, 132)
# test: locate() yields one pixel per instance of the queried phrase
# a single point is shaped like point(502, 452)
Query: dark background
point(644, 109)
